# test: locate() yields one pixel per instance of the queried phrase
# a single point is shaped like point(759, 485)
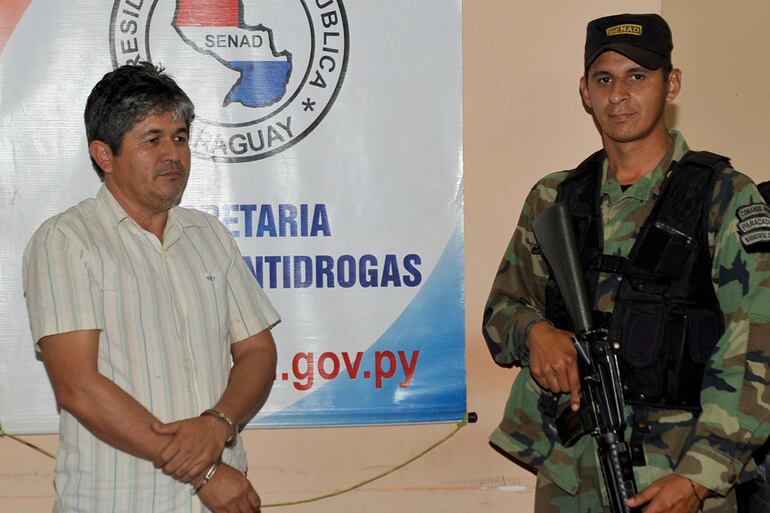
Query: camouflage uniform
point(712, 449)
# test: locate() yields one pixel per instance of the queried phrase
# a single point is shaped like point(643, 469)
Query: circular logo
point(262, 77)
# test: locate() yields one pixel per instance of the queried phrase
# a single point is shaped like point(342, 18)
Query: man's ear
point(102, 154)
point(584, 95)
point(674, 84)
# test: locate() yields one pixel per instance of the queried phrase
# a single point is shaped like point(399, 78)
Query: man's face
point(150, 174)
point(626, 99)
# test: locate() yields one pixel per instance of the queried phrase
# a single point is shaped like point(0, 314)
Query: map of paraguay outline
point(216, 28)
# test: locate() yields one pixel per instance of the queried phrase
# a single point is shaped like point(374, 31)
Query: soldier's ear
point(584, 95)
point(674, 84)
point(101, 152)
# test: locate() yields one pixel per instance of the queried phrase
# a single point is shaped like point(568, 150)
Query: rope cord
point(32, 446)
point(422, 453)
point(335, 493)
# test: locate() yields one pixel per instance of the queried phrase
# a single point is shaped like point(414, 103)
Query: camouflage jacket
point(712, 449)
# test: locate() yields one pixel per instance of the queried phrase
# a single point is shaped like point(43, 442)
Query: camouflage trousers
point(549, 498)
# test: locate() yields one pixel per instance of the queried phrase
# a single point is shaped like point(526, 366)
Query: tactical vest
point(666, 316)
point(764, 189)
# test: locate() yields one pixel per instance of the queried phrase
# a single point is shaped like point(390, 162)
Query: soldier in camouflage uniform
point(692, 458)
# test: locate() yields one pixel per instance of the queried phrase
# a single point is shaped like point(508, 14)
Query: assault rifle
point(601, 411)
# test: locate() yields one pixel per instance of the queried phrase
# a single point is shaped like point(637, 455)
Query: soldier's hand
point(229, 492)
point(670, 494)
point(553, 360)
point(197, 443)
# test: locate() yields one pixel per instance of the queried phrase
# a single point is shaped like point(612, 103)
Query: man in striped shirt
point(155, 335)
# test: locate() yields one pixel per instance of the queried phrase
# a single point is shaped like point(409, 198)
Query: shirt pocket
point(201, 289)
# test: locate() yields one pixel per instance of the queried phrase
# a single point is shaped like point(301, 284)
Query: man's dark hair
point(126, 96)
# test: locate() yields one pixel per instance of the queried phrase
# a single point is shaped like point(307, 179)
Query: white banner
point(328, 139)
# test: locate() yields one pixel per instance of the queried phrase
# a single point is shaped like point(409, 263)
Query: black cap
point(643, 38)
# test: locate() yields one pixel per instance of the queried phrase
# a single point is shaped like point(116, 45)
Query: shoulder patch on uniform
point(754, 227)
point(752, 210)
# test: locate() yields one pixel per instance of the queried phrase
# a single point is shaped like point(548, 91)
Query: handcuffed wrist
point(208, 476)
point(232, 437)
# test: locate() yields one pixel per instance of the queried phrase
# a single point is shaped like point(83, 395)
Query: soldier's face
point(626, 99)
point(150, 173)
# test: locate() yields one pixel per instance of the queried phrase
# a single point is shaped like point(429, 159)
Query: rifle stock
point(556, 237)
point(602, 406)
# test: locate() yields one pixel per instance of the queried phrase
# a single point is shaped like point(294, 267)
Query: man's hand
point(553, 360)
point(198, 442)
point(229, 492)
point(670, 494)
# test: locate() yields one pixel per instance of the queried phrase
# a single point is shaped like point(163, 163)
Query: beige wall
point(724, 105)
point(522, 60)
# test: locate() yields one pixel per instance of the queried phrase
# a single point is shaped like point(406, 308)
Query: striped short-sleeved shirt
point(167, 314)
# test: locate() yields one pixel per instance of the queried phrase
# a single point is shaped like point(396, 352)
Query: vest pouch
point(642, 334)
point(665, 251)
point(642, 371)
point(704, 328)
